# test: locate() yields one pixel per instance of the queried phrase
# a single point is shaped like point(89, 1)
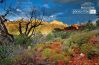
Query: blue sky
point(61, 10)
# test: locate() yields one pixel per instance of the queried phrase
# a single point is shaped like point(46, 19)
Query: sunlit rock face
point(58, 24)
point(76, 26)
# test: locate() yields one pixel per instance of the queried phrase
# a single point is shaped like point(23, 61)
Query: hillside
point(45, 28)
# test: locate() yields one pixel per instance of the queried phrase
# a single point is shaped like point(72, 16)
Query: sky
point(67, 11)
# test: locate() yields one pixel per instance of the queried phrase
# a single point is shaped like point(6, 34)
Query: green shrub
point(3, 53)
point(50, 37)
point(6, 53)
point(58, 34)
point(61, 34)
point(38, 38)
point(90, 26)
point(95, 48)
point(97, 23)
point(6, 61)
point(90, 54)
point(82, 37)
point(46, 52)
point(58, 56)
point(85, 48)
point(22, 40)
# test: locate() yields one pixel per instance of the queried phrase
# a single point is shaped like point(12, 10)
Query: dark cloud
point(1, 1)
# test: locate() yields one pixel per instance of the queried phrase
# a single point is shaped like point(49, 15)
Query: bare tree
point(33, 22)
point(5, 36)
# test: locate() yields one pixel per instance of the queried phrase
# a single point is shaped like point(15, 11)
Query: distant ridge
point(58, 23)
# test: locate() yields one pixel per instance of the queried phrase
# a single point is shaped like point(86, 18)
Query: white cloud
point(52, 16)
point(57, 14)
point(46, 6)
point(18, 10)
point(48, 18)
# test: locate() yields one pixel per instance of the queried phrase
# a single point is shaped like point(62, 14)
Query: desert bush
point(22, 40)
point(38, 38)
point(50, 37)
point(6, 52)
point(58, 34)
point(61, 34)
point(34, 57)
point(40, 45)
point(46, 52)
point(90, 49)
point(97, 23)
point(6, 61)
point(57, 56)
point(82, 37)
point(90, 54)
point(23, 60)
point(55, 52)
point(95, 49)
point(90, 26)
point(85, 48)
